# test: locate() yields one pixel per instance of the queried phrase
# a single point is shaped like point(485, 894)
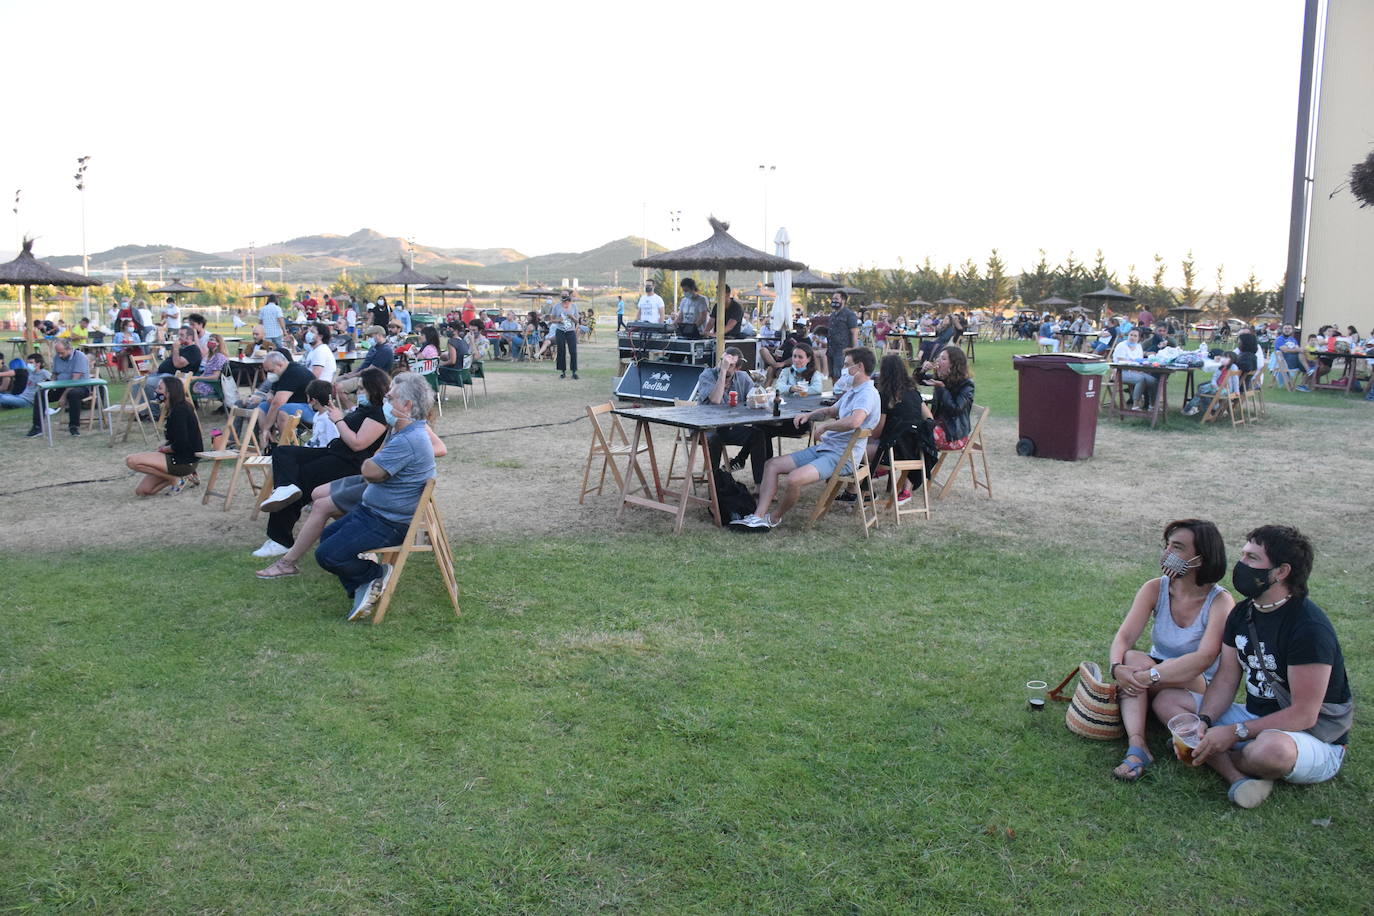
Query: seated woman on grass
point(299, 469)
point(952, 398)
point(1189, 611)
point(172, 466)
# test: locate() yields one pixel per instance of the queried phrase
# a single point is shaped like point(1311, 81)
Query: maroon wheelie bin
point(1058, 404)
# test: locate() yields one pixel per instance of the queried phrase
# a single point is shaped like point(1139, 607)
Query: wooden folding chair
point(1284, 377)
point(239, 447)
point(1252, 396)
point(900, 471)
point(612, 445)
point(858, 477)
point(1224, 400)
point(286, 435)
point(425, 535)
point(134, 404)
point(971, 451)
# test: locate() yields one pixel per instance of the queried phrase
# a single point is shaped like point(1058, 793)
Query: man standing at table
point(171, 317)
point(714, 387)
point(842, 333)
point(650, 305)
point(858, 408)
point(1295, 722)
point(68, 363)
point(270, 317)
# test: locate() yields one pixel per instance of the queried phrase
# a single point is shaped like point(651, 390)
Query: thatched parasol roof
point(1186, 309)
point(851, 291)
point(805, 279)
point(176, 286)
point(1054, 301)
point(443, 286)
point(1267, 316)
point(920, 304)
point(406, 276)
point(1109, 294)
point(537, 293)
point(261, 294)
point(28, 272)
point(721, 251)
point(950, 300)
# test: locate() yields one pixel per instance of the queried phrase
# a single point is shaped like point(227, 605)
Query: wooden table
point(698, 420)
point(1346, 380)
point(102, 400)
point(1161, 404)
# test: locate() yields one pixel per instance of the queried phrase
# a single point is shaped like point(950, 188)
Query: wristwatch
point(1154, 675)
point(1242, 733)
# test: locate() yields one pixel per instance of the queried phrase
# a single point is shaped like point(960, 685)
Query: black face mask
point(835, 305)
point(1249, 581)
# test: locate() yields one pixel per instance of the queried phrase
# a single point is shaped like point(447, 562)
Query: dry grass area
point(516, 459)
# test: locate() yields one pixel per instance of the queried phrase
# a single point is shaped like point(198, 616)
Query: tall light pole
point(253, 265)
point(765, 171)
point(674, 227)
point(18, 240)
point(82, 163)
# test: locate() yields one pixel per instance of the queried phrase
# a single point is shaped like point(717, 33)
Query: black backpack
point(733, 496)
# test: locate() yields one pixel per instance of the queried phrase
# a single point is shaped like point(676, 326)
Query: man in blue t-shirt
point(396, 476)
point(1295, 722)
point(858, 408)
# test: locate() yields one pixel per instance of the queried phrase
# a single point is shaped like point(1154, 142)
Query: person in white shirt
point(171, 314)
point(859, 408)
point(320, 360)
point(650, 305)
point(1145, 383)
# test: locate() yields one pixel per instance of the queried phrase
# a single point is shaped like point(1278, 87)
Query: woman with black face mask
point(1189, 611)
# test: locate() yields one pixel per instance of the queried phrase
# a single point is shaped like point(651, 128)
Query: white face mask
point(273, 377)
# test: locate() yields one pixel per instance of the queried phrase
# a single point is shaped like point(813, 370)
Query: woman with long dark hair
point(800, 378)
point(173, 465)
point(900, 429)
point(952, 402)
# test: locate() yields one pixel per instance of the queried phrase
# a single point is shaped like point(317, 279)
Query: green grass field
point(627, 723)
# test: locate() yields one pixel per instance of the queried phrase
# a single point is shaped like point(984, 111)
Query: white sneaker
point(748, 521)
point(761, 522)
point(280, 498)
point(52, 411)
point(270, 548)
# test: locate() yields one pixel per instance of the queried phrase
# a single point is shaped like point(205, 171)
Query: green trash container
point(1058, 404)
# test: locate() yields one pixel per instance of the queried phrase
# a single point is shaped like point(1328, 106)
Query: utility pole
point(253, 265)
point(82, 164)
point(765, 171)
point(18, 236)
point(674, 227)
point(644, 239)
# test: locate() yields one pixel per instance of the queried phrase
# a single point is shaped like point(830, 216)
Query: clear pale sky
point(898, 129)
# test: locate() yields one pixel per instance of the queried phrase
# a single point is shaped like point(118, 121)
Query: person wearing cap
point(563, 319)
point(651, 308)
point(400, 313)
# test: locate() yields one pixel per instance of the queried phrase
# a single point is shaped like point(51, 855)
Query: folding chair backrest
point(142, 364)
point(424, 535)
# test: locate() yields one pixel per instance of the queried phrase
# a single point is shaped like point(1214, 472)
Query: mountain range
point(319, 258)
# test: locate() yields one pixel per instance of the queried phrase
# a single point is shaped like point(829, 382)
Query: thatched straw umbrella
point(721, 252)
point(950, 302)
point(1054, 302)
point(176, 288)
point(28, 272)
point(805, 279)
point(406, 277)
point(442, 286)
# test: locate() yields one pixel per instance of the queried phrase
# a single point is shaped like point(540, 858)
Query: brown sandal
point(278, 570)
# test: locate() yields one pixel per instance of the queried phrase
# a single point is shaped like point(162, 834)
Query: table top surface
point(719, 416)
point(1152, 367)
point(72, 383)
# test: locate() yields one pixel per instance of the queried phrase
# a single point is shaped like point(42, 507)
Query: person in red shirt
point(331, 306)
point(469, 311)
point(311, 306)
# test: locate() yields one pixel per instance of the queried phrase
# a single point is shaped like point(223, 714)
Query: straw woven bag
point(1093, 709)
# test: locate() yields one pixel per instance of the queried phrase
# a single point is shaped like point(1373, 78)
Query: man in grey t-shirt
point(842, 332)
point(692, 310)
point(67, 364)
point(859, 408)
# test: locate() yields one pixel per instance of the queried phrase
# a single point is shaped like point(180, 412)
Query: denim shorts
point(1317, 761)
point(823, 461)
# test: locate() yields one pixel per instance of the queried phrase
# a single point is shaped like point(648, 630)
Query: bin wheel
point(1025, 447)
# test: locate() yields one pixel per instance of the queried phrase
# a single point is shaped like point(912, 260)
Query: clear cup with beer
point(1035, 695)
point(1186, 730)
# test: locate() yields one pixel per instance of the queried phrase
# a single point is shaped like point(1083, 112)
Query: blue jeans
point(301, 410)
point(14, 400)
point(357, 532)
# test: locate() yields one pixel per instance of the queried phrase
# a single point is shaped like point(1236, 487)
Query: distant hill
point(320, 258)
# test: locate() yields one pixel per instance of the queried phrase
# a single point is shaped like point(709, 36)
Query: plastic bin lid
point(1082, 363)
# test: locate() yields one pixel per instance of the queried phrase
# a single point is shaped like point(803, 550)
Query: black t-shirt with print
point(1296, 633)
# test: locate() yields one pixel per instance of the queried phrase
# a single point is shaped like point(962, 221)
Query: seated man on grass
point(858, 408)
point(396, 476)
point(1295, 722)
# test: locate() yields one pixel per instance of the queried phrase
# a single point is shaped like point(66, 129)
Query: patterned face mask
point(1175, 566)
